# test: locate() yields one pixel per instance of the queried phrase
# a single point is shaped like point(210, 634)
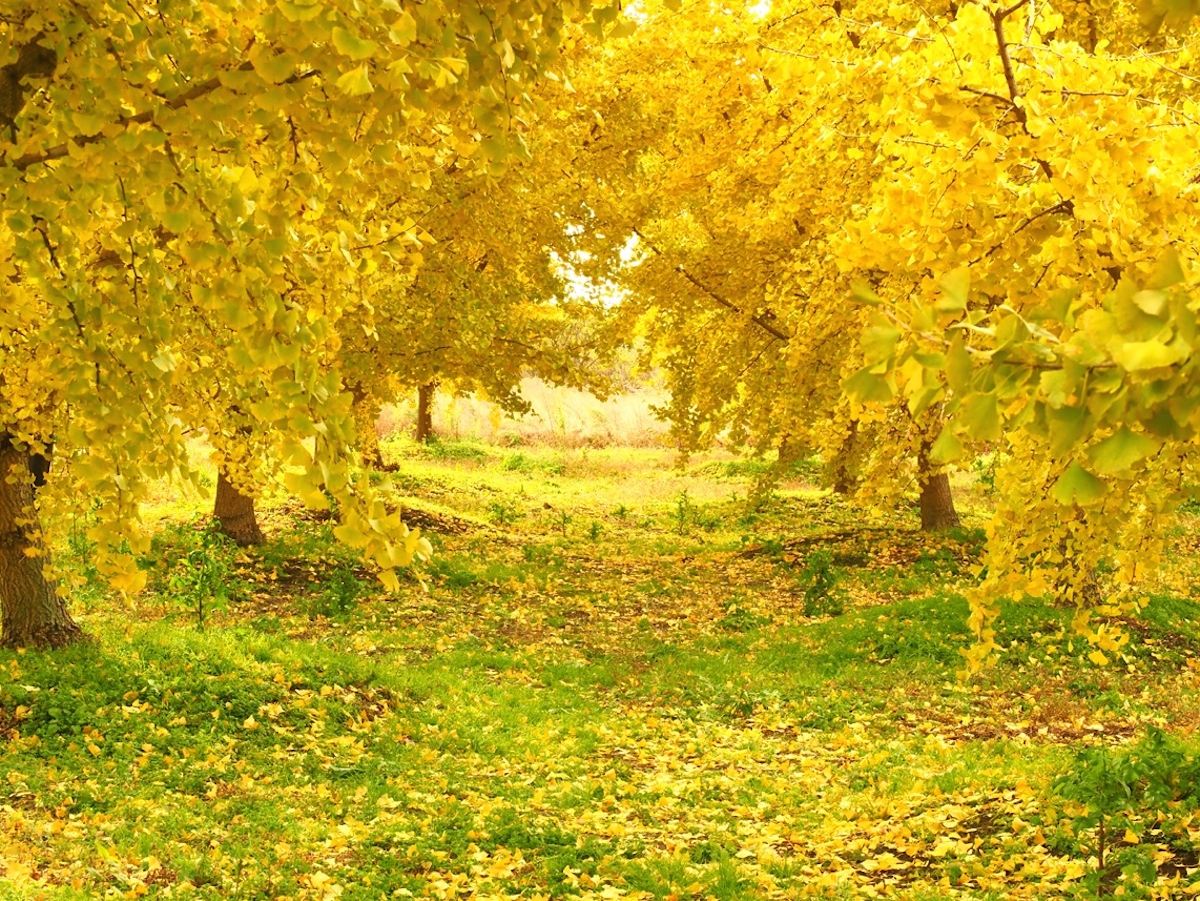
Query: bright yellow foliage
point(859, 219)
point(201, 200)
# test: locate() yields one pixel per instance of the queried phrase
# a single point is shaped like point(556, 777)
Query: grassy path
point(619, 682)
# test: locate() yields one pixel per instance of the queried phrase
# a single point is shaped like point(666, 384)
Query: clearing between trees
point(624, 678)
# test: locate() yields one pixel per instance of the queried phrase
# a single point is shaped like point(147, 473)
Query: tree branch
point(757, 320)
point(1010, 77)
point(143, 118)
point(989, 95)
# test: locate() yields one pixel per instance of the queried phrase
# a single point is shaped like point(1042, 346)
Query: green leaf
point(1135, 356)
point(177, 219)
point(495, 148)
point(355, 82)
point(275, 69)
point(980, 414)
point(863, 293)
point(299, 12)
point(1152, 302)
point(955, 285)
point(879, 342)
point(349, 534)
point(88, 124)
point(1133, 321)
point(623, 29)
point(404, 31)
point(1067, 426)
point(925, 398)
point(353, 46)
point(164, 360)
point(868, 387)
point(946, 449)
point(606, 14)
point(1163, 424)
point(1057, 385)
point(1078, 486)
point(1060, 305)
point(1168, 271)
point(924, 319)
point(1121, 450)
point(958, 365)
point(1184, 321)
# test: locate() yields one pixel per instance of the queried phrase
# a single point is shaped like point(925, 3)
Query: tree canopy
point(897, 234)
point(200, 198)
point(892, 231)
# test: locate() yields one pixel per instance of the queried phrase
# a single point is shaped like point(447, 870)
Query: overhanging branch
point(143, 118)
point(757, 320)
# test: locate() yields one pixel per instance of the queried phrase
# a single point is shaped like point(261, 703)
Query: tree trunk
point(425, 411)
point(843, 477)
point(937, 502)
point(39, 466)
point(234, 513)
point(33, 614)
point(366, 414)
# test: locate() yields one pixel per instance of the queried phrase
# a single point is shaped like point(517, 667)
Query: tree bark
point(425, 411)
point(39, 466)
point(843, 477)
point(33, 614)
point(937, 502)
point(234, 513)
point(33, 61)
point(366, 414)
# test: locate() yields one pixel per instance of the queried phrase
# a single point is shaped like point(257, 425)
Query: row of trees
point(210, 210)
point(996, 185)
point(893, 233)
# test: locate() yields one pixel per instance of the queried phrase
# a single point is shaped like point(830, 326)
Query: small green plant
point(739, 619)
point(564, 520)
point(518, 462)
point(504, 513)
point(708, 521)
point(621, 512)
point(685, 512)
point(453, 450)
point(984, 468)
point(204, 577)
point(454, 571)
point(818, 581)
point(536, 553)
point(594, 531)
point(522, 462)
point(1121, 794)
point(340, 594)
point(80, 554)
point(771, 547)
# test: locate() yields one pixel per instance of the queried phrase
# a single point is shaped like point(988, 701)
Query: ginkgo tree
point(729, 196)
point(1089, 147)
point(988, 179)
point(169, 182)
point(489, 304)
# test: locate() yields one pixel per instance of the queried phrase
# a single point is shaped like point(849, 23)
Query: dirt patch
point(8, 725)
point(438, 522)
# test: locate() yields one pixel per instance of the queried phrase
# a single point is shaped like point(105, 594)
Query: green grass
point(639, 709)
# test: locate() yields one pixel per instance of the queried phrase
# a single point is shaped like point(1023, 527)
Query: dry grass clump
point(560, 417)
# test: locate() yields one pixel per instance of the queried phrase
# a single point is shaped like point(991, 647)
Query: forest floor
point(621, 678)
